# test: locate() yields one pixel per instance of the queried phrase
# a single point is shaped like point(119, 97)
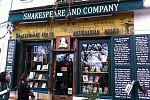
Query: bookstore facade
point(65, 57)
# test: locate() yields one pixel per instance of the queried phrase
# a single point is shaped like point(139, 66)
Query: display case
point(37, 66)
point(94, 67)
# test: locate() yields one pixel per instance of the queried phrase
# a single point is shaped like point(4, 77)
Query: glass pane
point(94, 58)
point(64, 74)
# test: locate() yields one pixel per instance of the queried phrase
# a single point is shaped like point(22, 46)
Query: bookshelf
point(94, 67)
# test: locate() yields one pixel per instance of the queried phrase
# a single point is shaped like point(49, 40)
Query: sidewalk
point(38, 96)
point(13, 95)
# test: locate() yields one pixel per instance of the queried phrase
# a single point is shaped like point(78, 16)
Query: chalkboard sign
point(10, 58)
point(10, 55)
point(131, 61)
point(122, 48)
point(122, 61)
point(142, 50)
point(122, 78)
point(143, 76)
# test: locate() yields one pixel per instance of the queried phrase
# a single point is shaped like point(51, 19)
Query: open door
point(63, 76)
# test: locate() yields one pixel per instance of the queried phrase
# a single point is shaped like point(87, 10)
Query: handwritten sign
point(122, 49)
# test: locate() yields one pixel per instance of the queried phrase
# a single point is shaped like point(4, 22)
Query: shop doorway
point(63, 76)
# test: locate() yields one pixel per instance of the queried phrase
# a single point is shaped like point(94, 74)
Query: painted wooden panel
point(116, 24)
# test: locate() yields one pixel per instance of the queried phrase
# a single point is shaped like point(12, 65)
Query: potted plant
point(91, 93)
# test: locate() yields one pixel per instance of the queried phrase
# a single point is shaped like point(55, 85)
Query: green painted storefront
point(126, 61)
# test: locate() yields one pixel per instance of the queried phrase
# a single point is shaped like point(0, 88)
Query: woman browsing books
point(24, 91)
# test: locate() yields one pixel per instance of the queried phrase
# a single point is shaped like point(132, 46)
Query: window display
point(37, 63)
point(94, 67)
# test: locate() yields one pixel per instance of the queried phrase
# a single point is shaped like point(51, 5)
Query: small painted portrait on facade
point(63, 43)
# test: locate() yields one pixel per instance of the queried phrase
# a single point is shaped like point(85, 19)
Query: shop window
point(37, 65)
point(94, 67)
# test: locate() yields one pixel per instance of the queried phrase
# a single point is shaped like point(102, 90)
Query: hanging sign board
point(10, 59)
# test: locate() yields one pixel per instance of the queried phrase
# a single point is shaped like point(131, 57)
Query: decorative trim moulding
point(32, 22)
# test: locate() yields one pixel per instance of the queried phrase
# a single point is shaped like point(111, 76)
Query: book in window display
point(89, 87)
point(31, 75)
point(38, 67)
point(86, 69)
point(85, 78)
point(96, 79)
point(35, 59)
point(40, 76)
point(36, 76)
point(44, 85)
point(105, 90)
point(100, 90)
point(98, 69)
point(40, 58)
point(104, 58)
point(95, 89)
point(40, 85)
point(69, 90)
point(105, 68)
point(31, 84)
point(90, 78)
point(45, 67)
point(92, 69)
point(35, 85)
point(83, 89)
point(44, 76)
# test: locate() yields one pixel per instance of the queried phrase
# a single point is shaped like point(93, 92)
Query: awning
point(81, 10)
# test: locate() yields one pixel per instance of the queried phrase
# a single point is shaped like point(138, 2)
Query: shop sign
point(86, 32)
point(76, 10)
point(95, 32)
point(34, 35)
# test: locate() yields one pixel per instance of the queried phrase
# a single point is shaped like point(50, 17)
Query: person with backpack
point(4, 86)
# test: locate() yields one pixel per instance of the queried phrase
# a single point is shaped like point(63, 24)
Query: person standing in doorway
point(4, 86)
point(24, 89)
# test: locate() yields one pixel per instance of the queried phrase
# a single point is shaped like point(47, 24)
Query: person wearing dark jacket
point(4, 86)
point(24, 89)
